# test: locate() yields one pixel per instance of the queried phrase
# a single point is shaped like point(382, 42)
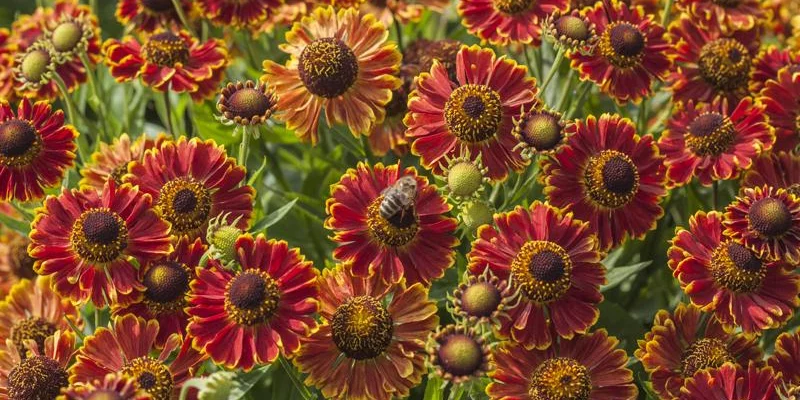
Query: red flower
point(40, 373)
point(630, 55)
point(508, 21)
point(767, 221)
point(767, 64)
point(415, 242)
point(586, 367)
point(786, 361)
point(36, 149)
point(609, 176)
point(193, 182)
point(87, 241)
point(554, 260)
point(248, 317)
point(474, 114)
point(779, 170)
point(714, 141)
point(7, 52)
point(151, 15)
point(731, 382)
point(779, 97)
point(726, 279)
point(711, 63)
point(166, 283)
point(680, 345)
point(15, 263)
point(111, 161)
point(370, 344)
point(167, 61)
point(129, 348)
point(238, 13)
point(728, 15)
point(123, 387)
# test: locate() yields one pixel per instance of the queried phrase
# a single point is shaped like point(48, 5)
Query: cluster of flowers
point(156, 232)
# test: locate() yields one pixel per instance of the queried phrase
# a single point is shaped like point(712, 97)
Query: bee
point(399, 198)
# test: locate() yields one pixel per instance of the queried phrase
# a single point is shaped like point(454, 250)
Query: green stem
point(641, 117)
point(168, 111)
point(182, 16)
point(72, 116)
point(665, 13)
point(562, 98)
point(399, 30)
point(553, 69)
point(537, 55)
point(574, 108)
point(243, 146)
point(714, 194)
point(528, 60)
point(97, 101)
point(295, 379)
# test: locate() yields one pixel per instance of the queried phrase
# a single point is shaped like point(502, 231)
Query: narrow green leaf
point(246, 382)
point(433, 390)
point(274, 217)
point(18, 225)
point(257, 175)
point(617, 275)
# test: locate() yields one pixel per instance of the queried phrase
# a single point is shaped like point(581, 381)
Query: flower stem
point(665, 13)
point(553, 68)
point(168, 112)
point(182, 16)
point(83, 145)
point(562, 98)
point(96, 100)
point(243, 146)
point(304, 393)
point(714, 194)
point(399, 30)
point(587, 85)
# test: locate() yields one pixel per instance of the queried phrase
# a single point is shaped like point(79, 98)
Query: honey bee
point(399, 198)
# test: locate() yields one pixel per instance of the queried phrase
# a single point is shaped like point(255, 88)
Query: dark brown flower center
point(35, 64)
point(66, 36)
point(704, 353)
point(185, 203)
point(710, 134)
point(328, 67)
point(513, 7)
point(560, 378)
point(770, 217)
point(158, 5)
point(105, 395)
point(542, 270)
point(541, 131)
point(119, 172)
point(480, 299)
point(622, 44)
point(473, 113)
point(362, 328)
point(152, 376)
point(252, 297)
point(31, 328)
point(36, 378)
point(572, 27)
point(166, 49)
point(166, 282)
point(248, 103)
point(611, 179)
point(727, 3)
point(99, 235)
point(445, 52)
point(737, 268)
point(794, 189)
point(460, 355)
point(725, 64)
point(20, 261)
point(19, 143)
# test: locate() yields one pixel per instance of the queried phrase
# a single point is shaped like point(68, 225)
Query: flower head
point(630, 53)
point(151, 15)
point(371, 340)
point(15, 263)
point(731, 381)
point(571, 31)
point(41, 372)
point(778, 97)
point(682, 343)
point(116, 386)
point(609, 176)
point(554, 261)
point(508, 21)
point(484, 298)
point(341, 62)
point(714, 141)
point(539, 131)
point(786, 361)
point(246, 103)
point(475, 114)
point(724, 278)
point(169, 61)
point(585, 367)
point(780, 170)
point(397, 233)
point(238, 13)
point(458, 353)
point(250, 316)
point(87, 241)
point(111, 160)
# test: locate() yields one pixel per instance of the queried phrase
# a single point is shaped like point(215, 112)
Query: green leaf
point(257, 175)
point(18, 225)
point(433, 390)
point(617, 275)
point(620, 324)
point(246, 382)
point(274, 217)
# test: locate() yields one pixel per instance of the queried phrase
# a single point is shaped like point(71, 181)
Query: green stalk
point(244, 146)
point(168, 111)
point(553, 68)
point(399, 30)
point(304, 392)
point(562, 98)
point(574, 108)
point(182, 16)
point(665, 13)
point(72, 116)
point(97, 101)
